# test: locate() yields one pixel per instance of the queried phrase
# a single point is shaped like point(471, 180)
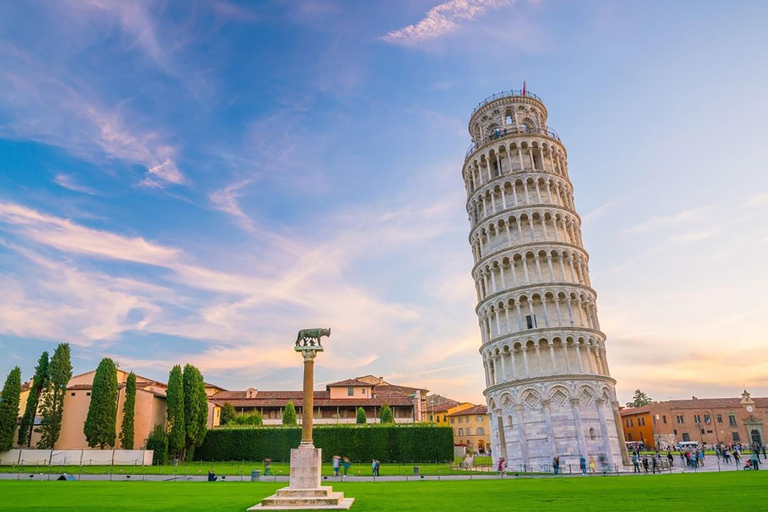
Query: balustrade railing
point(501, 133)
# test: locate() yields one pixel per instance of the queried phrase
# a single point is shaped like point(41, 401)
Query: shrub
point(158, 441)
point(363, 442)
point(253, 419)
point(289, 415)
point(386, 414)
point(361, 418)
point(227, 413)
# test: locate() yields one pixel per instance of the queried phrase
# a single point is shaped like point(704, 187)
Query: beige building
point(338, 403)
point(471, 428)
point(150, 409)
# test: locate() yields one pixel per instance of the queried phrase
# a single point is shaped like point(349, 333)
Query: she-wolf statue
point(308, 336)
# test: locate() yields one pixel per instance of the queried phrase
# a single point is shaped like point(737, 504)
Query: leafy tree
point(253, 418)
point(228, 413)
point(361, 418)
point(386, 414)
point(640, 399)
point(195, 408)
point(129, 407)
point(9, 409)
point(289, 415)
point(39, 381)
point(158, 441)
point(175, 404)
point(99, 425)
point(53, 396)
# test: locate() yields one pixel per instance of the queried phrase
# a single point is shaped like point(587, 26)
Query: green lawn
point(685, 492)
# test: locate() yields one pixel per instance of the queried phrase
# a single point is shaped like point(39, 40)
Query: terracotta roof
point(710, 403)
point(214, 386)
point(321, 399)
point(441, 407)
point(629, 411)
point(478, 409)
point(349, 383)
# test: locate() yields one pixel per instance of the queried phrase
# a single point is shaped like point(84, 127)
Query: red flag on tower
point(523, 87)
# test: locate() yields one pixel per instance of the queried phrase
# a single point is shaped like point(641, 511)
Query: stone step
point(332, 499)
point(289, 492)
point(344, 504)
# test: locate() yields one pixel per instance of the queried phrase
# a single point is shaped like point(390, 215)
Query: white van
point(687, 446)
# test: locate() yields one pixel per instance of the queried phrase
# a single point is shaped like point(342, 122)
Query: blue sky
point(196, 181)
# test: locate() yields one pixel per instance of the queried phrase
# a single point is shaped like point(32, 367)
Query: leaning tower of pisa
point(548, 388)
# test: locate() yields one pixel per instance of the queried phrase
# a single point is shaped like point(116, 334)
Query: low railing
point(505, 94)
point(501, 133)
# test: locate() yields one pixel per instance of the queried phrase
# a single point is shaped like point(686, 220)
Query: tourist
point(583, 465)
point(736, 457)
point(592, 464)
point(346, 464)
point(501, 464)
point(755, 460)
point(645, 464)
point(764, 456)
point(671, 459)
point(375, 467)
point(655, 465)
point(336, 463)
point(211, 476)
point(635, 463)
point(556, 464)
point(267, 467)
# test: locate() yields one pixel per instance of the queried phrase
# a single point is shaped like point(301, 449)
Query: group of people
point(341, 464)
point(654, 464)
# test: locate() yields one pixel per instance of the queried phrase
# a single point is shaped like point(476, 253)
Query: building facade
point(336, 405)
point(638, 427)
point(471, 428)
point(708, 421)
point(548, 387)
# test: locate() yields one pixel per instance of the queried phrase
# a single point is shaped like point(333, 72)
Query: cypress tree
point(228, 413)
point(289, 414)
point(53, 397)
point(386, 414)
point(175, 401)
point(99, 425)
point(195, 408)
point(129, 406)
point(39, 381)
point(9, 409)
point(361, 418)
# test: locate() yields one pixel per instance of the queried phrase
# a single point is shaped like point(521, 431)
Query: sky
point(195, 181)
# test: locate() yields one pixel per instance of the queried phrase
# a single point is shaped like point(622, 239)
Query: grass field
point(735, 491)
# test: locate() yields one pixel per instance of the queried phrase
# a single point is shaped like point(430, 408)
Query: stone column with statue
point(304, 491)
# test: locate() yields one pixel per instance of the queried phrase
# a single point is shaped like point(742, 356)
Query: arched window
point(461, 431)
point(592, 434)
point(508, 119)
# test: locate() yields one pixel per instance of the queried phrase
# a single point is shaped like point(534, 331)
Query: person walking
point(736, 457)
point(755, 460)
point(267, 467)
point(671, 459)
point(592, 465)
point(346, 465)
point(645, 464)
point(635, 463)
point(583, 465)
point(655, 465)
point(336, 464)
point(501, 464)
point(556, 464)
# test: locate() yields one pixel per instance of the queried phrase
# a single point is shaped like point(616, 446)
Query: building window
point(88, 394)
point(469, 431)
point(664, 419)
point(430, 417)
point(680, 419)
point(451, 421)
point(732, 420)
point(350, 391)
point(479, 419)
point(686, 436)
point(702, 431)
point(707, 419)
point(641, 422)
point(480, 431)
point(696, 419)
point(629, 436)
point(364, 390)
point(444, 418)
point(675, 431)
point(592, 434)
point(461, 419)
point(530, 321)
point(735, 436)
point(73, 394)
point(719, 418)
point(461, 431)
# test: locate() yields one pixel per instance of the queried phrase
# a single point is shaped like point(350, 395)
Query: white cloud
point(68, 182)
point(675, 219)
point(442, 19)
point(226, 200)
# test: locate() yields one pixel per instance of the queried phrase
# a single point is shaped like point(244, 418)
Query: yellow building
point(439, 413)
point(471, 428)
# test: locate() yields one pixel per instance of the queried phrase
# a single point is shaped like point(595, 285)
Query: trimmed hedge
point(358, 442)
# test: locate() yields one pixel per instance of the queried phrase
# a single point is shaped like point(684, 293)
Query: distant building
point(438, 414)
point(337, 404)
point(149, 410)
point(471, 428)
point(638, 428)
point(706, 420)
